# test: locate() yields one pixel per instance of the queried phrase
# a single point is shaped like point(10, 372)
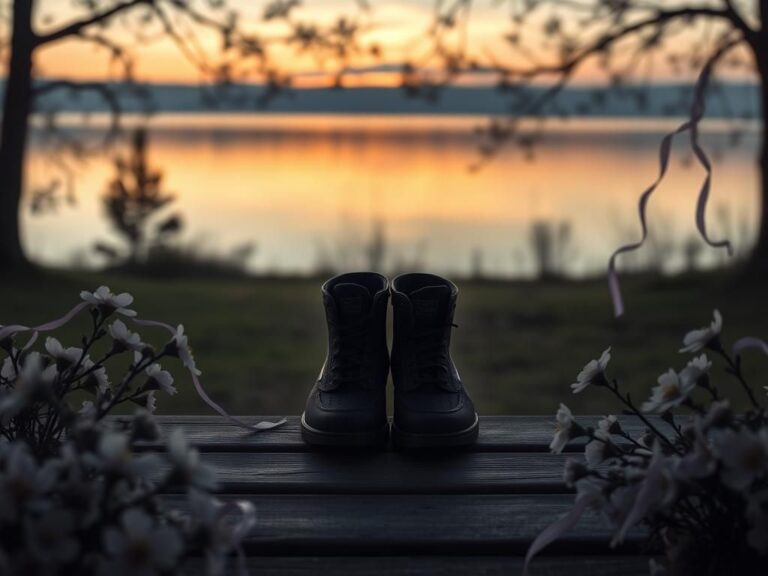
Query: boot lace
point(348, 352)
point(429, 356)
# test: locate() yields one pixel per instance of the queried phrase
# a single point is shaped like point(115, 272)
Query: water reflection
point(320, 191)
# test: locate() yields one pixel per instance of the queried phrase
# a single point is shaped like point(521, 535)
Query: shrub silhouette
point(133, 202)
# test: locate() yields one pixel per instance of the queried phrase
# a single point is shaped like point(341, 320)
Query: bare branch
point(660, 18)
point(195, 58)
point(536, 107)
point(117, 52)
point(79, 26)
point(738, 21)
point(107, 94)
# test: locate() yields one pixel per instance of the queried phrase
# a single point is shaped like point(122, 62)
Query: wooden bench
point(456, 513)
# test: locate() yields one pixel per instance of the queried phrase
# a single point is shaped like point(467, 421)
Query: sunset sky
point(398, 26)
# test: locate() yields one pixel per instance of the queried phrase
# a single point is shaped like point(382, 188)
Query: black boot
point(432, 409)
point(347, 406)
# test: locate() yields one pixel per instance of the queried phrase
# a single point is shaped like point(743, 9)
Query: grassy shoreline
point(260, 341)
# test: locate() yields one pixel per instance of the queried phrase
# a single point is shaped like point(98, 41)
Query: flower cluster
point(77, 494)
point(693, 473)
point(36, 386)
point(95, 507)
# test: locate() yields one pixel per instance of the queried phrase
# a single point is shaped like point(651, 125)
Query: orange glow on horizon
point(398, 29)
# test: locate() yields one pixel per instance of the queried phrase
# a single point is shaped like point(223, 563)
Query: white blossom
point(671, 391)
point(574, 471)
point(696, 369)
point(186, 462)
point(144, 426)
point(744, 455)
point(22, 481)
point(98, 376)
point(564, 429)
point(183, 351)
point(592, 373)
point(618, 504)
point(109, 302)
point(657, 490)
point(123, 337)
point(718, 415)
point(700, 461)
point(204, 509)
point(610, 425)
point(148, 401)
point(596, 451)
point(68, 356)
point(88, 410)
point(141, 545)
point(222, 534)
point(33, 371)
point(8, 371)
point(160, 379)
point(102, 380)
point(695, 340)
point(33, 377)
point(51, 537)
point(114, 455)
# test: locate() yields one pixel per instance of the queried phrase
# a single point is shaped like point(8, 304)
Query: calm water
point(310, 190)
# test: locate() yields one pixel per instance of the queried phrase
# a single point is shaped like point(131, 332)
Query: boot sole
point(318, 437)
point(410, 441)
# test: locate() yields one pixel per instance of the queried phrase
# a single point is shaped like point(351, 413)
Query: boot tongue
point(430, 304)
point(353, 301)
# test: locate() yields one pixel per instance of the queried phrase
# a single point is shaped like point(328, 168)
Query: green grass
point(260, 342)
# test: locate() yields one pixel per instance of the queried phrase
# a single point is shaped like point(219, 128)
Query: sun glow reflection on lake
point(307, 188)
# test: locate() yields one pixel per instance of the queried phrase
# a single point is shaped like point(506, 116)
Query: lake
point(312, 191)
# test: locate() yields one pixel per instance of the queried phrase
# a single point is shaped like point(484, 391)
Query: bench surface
point(387, 512)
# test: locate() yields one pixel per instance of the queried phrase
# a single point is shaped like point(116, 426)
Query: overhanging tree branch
point(500, 131)
point(117, 52)
point(660, 18)
point(738, 21)
point(107, 94)
point(77, 27)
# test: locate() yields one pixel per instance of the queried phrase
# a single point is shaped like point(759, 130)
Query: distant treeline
point(737, 100)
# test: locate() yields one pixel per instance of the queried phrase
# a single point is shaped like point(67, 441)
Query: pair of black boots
point(347, 406)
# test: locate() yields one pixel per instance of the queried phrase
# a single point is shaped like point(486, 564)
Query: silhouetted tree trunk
point(13, 139)
point(759, 260)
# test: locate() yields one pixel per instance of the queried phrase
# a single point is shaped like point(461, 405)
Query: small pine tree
point(133, 200)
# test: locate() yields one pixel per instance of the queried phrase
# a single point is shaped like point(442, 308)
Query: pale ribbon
point(241, 529)
point(749, 342)
point(698, 108)
point(258, 427)
point(8, 331)
point(554, 530)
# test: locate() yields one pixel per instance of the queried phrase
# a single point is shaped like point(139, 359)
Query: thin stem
point(628, 403)
point(134, 371)
point(51, 426)
point(735, 369)
point(626, 436)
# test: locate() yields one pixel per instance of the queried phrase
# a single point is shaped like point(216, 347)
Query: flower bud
point(720, 415)
point(144, 427)
point(574, 471)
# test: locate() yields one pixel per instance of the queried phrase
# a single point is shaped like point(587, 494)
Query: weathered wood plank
point(444, 566)
point(388, 473)
point(428, 524)
point(497, 434)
